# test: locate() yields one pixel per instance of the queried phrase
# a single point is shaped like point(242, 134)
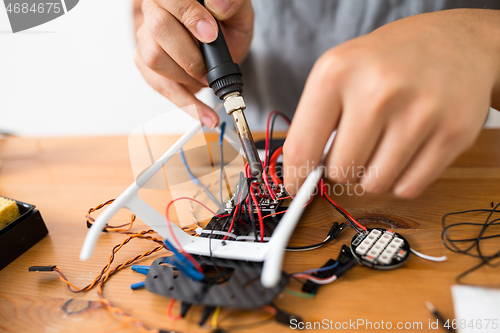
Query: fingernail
point(364, 180)
point(218, 6)
point(208, 121)
point(206, 31)
point(400, 190)
point(204, 81)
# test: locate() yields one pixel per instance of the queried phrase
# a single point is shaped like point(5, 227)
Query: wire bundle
point(351, 220)
point(472, 245)
point(107, 271)
point(118, 228)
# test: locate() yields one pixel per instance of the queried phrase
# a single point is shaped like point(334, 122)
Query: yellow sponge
point(8, 211)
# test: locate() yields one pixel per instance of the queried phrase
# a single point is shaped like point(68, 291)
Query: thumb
point(235, 10)
point(236, 20)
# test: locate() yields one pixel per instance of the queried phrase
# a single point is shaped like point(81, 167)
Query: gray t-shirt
point(290, 35)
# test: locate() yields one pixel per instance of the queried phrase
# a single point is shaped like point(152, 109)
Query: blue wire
point(322, 269)
point(188, 266)
point(136, 267)
point(222, 130)
point(138, 285)
point(193, 178)
point(221, 138)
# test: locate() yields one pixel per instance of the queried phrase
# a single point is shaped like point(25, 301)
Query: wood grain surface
point(64, 177)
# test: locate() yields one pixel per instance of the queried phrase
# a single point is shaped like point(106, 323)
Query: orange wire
point(106, 270)
point(143, 234)
point(91, 220)
point(107, 304)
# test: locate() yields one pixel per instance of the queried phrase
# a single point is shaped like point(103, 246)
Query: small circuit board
point(380, 248)
point(247, 226)
point(266, 203)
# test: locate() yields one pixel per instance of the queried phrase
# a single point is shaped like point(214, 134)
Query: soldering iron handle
point(224, 75)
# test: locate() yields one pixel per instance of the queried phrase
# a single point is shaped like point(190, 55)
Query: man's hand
point(168, 55)
point(406, 100)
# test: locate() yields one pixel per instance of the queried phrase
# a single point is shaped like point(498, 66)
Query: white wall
point(76, 75)
point(493, 120)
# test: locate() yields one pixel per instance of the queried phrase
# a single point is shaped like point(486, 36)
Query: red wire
point(273, 214)
point(269, 309)
point(344, 211)
point(272, 166)
point(247, 170)
point(266, 182)
point(284, 211)
point(169, 224)
point(259, 213)
point(234, 216)
point(169, 311)
point(261, 195)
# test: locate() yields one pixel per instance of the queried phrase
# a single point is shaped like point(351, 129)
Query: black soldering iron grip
point(224, 75)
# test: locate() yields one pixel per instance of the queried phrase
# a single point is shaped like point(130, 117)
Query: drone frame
point(270, 253)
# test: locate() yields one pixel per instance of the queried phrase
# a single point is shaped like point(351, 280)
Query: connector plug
point(41, 268)
point(285, 318)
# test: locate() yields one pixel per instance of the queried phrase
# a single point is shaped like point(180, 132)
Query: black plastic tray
point(20, 235)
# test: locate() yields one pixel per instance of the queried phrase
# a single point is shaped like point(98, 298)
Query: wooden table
point(64, 177)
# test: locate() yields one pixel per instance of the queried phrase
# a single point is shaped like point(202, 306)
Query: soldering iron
point(225, 78)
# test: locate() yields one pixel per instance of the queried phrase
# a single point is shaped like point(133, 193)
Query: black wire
point(227, 220)
point(252, 219)
point(221, 173)
point(240, 209)
point(271, 131)
point(210, 239)
point(225, 273)
point(237, 216)
point(449, 242)
point(345, 216)
point(210, 248)
point(459, 278)
point(335, 230)
point(445, 237)
point(327, 240)
point(246, 211)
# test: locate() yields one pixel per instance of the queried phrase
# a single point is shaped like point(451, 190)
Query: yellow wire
point(214, 318)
